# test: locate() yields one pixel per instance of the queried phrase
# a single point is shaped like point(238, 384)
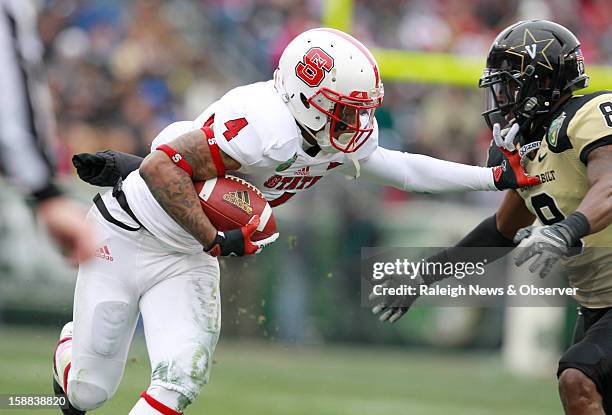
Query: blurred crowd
point(120, 71)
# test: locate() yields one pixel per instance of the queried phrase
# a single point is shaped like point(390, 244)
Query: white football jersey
point(253, 126)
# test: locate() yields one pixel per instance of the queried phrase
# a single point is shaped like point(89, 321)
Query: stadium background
point(295, 338)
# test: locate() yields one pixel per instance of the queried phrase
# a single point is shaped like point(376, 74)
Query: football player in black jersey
point(533, 69)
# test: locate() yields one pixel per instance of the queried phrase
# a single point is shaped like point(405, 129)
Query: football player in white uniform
point(157, 246)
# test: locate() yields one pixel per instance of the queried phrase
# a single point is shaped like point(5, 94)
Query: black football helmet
point(530, 67)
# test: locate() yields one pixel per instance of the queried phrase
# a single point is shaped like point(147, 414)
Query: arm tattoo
point(173, 188)
point(175, 193)
point(194, 148)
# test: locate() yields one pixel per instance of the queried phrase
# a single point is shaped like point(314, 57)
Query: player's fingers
point(531, 180)
point(538, 263)
point(251, 227)
point(399, 312)
point(522, 234)
point(509, 137)
point(266, 241)
point(385, 316)
point(499, 142)
point(378, 308)
point(523, 256)
point(548, 266)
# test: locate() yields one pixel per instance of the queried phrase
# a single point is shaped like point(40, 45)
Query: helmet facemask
point(515, 97)
point(350, 119)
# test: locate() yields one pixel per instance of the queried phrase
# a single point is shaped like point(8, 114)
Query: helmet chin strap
point(330, 149)
point(355, 161)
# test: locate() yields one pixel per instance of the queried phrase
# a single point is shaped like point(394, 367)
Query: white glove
point(543, 242)
point(505, 138)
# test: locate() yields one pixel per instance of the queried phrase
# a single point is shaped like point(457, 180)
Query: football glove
point(104, 168)
point(392, 307)
point(550, 243)
point(237, 242)
point(510, 174)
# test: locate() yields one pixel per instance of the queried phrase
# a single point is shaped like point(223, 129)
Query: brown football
point(230, 202)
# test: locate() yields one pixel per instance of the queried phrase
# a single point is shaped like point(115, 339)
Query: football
point(230, 202)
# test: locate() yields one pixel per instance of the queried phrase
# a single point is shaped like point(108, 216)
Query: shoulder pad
point(557, 132)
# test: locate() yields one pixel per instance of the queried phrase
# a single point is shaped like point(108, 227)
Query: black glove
point(549, 243)
point(104, 168)
point(237, 242)
point(392, 307)
point(510, 173)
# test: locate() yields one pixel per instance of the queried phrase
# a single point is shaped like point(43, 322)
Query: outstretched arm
point(419, 173)
point(496, 231)
point(424, 174)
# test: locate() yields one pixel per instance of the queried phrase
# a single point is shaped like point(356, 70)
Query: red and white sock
point(157, 400)
point(63, 356)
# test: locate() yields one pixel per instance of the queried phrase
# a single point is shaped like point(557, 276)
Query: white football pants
point(178, 296)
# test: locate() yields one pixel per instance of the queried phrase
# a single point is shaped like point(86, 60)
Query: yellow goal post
point(433, 68)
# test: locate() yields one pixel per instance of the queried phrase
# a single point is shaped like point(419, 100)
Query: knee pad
point(111, 320)
point(86, 396)
point(186, 372)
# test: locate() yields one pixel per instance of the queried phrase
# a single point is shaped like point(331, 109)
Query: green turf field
point(256, 378)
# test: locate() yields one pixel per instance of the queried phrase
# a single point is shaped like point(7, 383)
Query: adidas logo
point(104, 253)
point(240, 199)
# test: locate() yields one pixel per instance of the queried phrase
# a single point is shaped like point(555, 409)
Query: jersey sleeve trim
point(214, 150)
point(603, 141)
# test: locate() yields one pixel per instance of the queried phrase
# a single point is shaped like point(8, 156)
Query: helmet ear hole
point(304, 100)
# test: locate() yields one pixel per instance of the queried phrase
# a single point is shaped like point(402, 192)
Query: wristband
point(573, 228)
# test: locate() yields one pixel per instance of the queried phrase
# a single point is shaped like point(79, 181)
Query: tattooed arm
point(173, 188)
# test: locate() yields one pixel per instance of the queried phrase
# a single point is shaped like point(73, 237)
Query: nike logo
point(541, 156)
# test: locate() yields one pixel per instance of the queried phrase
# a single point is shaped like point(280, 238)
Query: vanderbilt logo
point(240, 199)
point(553, 130)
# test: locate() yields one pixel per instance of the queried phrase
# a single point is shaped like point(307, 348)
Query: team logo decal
point(532, 47)
point(553, 131)
point(240, 199)
point(285, 165)
point(313, 67)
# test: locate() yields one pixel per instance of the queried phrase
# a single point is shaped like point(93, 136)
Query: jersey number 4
point(234, 127)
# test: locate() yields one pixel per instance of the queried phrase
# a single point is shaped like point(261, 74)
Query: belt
point(120, 196)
